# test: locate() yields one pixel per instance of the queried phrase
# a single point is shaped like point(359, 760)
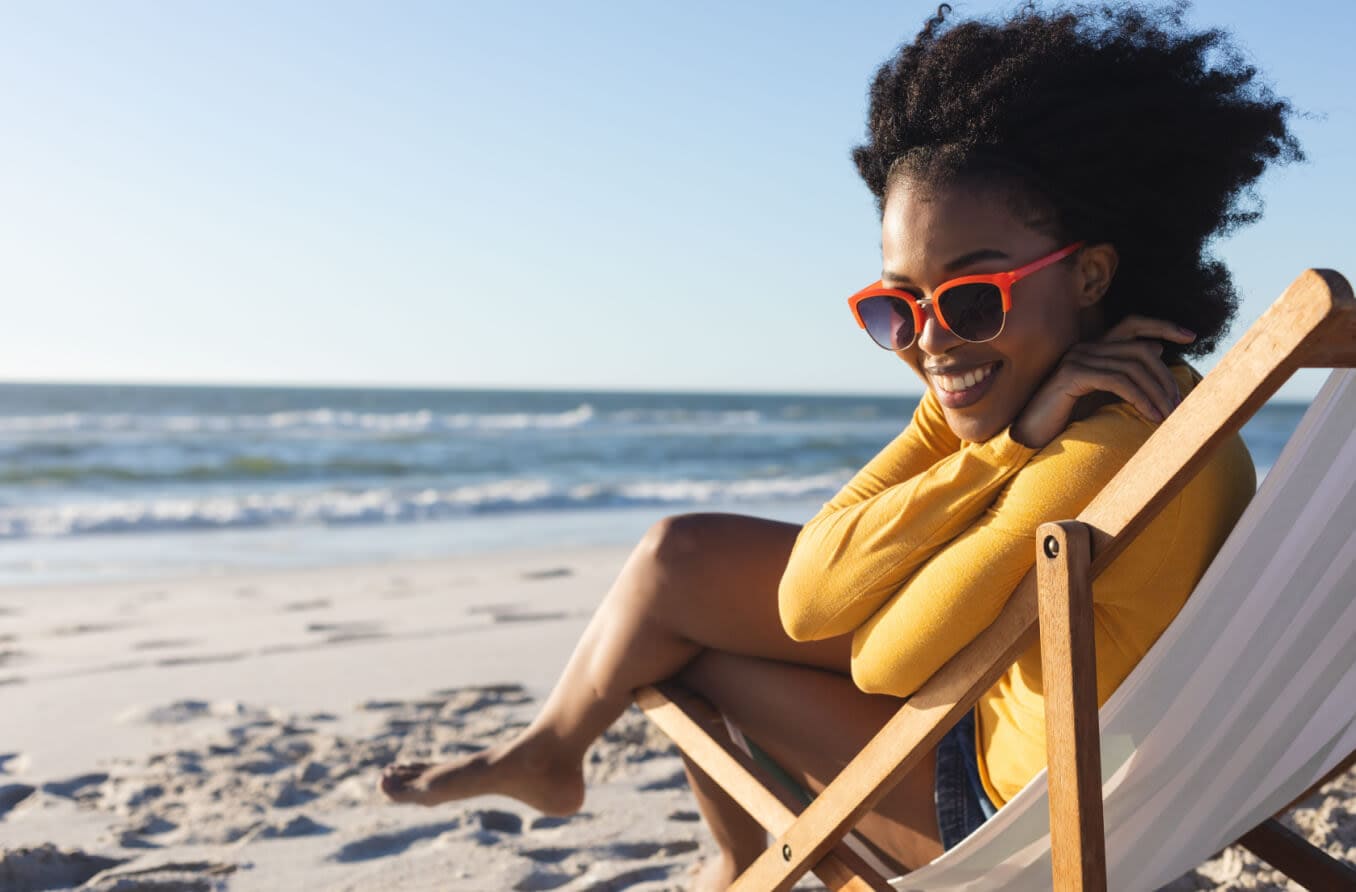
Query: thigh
point(719, 575)
point(812, 723)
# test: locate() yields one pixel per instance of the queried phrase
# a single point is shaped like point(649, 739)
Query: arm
point(908, 502)
point(959, 591)
point(926, 441)
point(874, 538)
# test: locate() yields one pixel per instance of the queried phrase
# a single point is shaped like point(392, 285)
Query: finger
point(1132, 381)
point(1147, 352)
point(1132, 327)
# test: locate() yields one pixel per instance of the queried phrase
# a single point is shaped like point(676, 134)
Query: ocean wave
point(389, 505)
point(229, 470)
point(308, 420)
point(727, 417)
point(329, 420)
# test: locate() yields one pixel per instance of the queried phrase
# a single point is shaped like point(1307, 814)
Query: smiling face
point(931, 235)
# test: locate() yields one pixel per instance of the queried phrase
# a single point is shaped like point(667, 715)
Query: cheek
point(913, 360)
point(1037, 340)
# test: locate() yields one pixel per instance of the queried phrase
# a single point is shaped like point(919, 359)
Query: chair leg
point(1072, 736)
point(1297, 858)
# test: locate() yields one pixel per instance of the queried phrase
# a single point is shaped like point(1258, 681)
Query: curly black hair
point(1110, 123)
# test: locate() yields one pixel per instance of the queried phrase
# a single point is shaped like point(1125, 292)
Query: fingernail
point(1186, 332)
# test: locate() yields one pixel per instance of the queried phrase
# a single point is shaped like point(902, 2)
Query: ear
point(1095, 266)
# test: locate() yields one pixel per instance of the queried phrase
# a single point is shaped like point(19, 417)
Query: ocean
point(117, 482)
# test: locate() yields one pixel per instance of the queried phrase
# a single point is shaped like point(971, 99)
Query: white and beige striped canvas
point(1245, 701)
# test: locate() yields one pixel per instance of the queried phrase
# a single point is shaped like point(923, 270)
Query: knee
point(671, 543)
point(665, 563)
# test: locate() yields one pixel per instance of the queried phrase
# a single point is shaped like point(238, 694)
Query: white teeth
point(956, 383)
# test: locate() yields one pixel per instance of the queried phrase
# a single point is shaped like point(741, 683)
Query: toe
point(395, 779)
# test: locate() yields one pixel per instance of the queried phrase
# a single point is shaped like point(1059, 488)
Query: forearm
point(849, 560)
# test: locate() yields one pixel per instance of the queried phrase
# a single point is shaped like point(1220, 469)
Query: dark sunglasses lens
point(889, 321)
point(973, 312)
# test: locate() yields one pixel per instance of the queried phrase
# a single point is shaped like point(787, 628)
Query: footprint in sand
point(551, 573)
point(461, 701)
point(13, 763)
point(542, 881)
point(201, 658)
point(81, 629)
point(641, 851)
point(47, 867)
point(71, 787)
point(629, 878)
point(298, 826)
point(496, 821)
point(12, 794)
point(163, 643)
point(380, 845)
point(516, 613)
point(380, 705)
point(173, 875)
point(675, 781)
point(340, 633)
point(550, 822)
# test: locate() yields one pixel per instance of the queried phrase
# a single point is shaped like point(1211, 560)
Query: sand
point(226, 733)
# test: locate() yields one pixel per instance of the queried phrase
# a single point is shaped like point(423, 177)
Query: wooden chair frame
point(1312, 325)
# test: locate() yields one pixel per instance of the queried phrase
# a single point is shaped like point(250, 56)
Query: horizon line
point(490, 388)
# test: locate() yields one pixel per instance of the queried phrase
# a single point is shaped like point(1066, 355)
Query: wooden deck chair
point(1197, 748)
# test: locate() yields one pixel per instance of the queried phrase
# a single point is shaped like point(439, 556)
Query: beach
point(235, 726)
point(226, 732)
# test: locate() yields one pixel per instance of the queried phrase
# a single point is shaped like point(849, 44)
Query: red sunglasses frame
point(1003, 281)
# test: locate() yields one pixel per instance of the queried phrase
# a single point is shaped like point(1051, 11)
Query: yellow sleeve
point(926, 441)
point(960, 590)
point(903, 506)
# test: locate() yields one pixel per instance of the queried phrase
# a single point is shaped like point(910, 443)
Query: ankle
point(715, 873)
point(540, 753)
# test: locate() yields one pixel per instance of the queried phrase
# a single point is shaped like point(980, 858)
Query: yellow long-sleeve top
point(919, 552)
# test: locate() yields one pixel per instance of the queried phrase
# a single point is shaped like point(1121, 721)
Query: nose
point(934, 339)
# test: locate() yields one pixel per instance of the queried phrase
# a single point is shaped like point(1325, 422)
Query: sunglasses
point(973, 308)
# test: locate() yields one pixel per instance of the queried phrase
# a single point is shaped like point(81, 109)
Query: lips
point(963, 387)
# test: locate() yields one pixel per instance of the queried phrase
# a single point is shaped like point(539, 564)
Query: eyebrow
point(961, 261)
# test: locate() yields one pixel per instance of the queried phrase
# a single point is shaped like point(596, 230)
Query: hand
point(1126, 363)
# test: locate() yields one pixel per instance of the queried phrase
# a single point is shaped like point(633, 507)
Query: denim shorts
point(962, 804)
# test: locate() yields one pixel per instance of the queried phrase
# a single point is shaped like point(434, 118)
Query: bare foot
point(507, 770)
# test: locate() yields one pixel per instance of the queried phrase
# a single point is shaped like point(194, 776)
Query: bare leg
point(812, 723)
point(739, 839)
point(694, 582)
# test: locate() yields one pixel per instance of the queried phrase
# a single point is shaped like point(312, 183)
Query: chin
point(972, 429)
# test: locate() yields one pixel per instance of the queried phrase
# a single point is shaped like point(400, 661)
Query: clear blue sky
point(618, 195)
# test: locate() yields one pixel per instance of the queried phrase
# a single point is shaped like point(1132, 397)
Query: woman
point(1047, 184)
